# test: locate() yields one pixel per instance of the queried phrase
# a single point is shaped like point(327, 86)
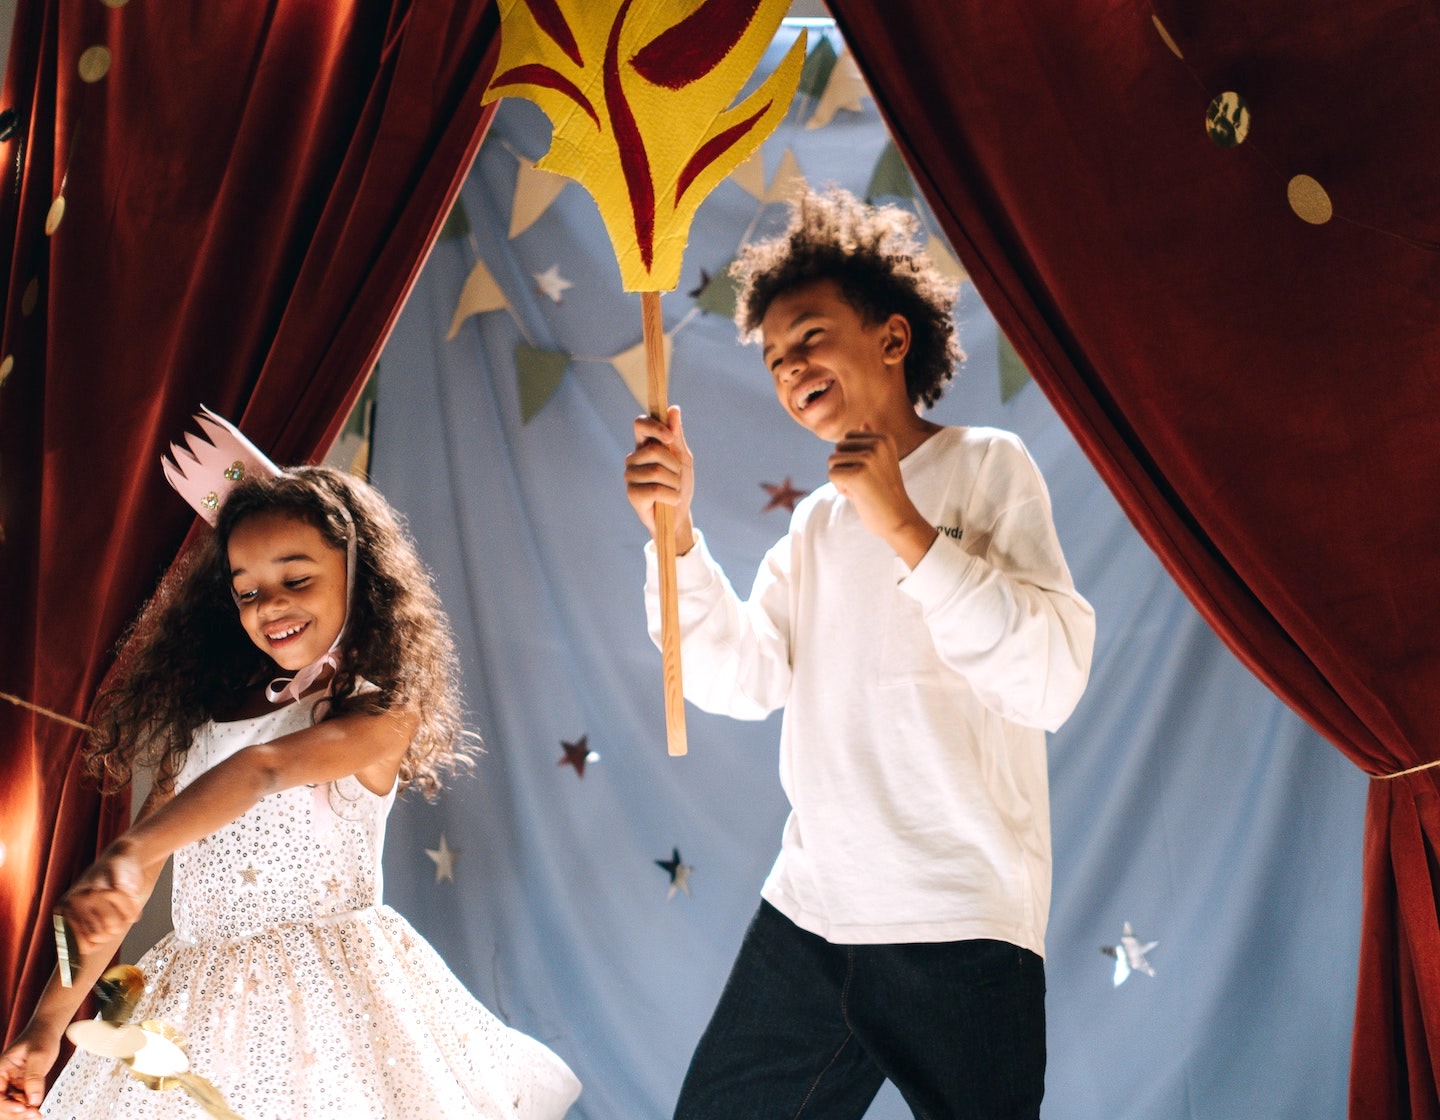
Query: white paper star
point(1130, 955)
point(552, 283)
point(444, 857)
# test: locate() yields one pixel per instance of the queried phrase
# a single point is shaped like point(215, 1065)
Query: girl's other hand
point(22, 1074)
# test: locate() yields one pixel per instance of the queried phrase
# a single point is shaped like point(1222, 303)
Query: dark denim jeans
point(805, 1028)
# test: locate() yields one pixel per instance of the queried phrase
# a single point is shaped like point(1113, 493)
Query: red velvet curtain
point(1261, 393)
point(249, 191)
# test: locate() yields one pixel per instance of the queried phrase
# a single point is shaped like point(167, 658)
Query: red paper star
point(782, 494)
point(577, 755)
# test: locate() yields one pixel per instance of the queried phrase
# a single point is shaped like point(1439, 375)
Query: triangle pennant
point(630, 365)
point(718, 296)
point(1013, 374)
point(843, 91)
point(788, 181)
point(815, 74)
point(945, 261)
point(750, 176)
point(480, 294)
point(535, 190)
point(457, 222)
point(891, 178)
point(539, 373)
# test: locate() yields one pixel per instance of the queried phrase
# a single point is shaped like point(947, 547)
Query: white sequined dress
point(301, 996)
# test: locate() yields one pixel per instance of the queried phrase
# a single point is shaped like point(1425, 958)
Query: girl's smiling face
point(290, 583)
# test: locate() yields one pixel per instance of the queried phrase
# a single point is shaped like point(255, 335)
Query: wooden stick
point(656, 379)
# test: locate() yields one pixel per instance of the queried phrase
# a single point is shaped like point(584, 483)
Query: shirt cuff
point(944, 570)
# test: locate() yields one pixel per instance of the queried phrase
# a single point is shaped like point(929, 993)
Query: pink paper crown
point(206, 470)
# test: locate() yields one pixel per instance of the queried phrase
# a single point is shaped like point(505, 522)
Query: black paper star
point(577, 755)
point(679, 873)
point(782, 494)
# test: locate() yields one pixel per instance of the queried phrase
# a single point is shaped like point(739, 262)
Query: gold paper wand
point(640, 101)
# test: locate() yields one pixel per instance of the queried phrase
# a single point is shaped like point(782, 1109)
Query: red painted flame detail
point(551, 20)
point(535, 74)
point(696, 45)
point(634, 161)
point(713, 149)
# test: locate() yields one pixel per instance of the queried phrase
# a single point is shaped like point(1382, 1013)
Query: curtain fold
point(249, 193)
point(1257, 389)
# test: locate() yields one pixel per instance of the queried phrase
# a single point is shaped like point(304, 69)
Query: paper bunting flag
point(457, 223)
point(1013, 374)
point(719, 295)
point(535, 190)
point(639, 94)
point(479, 295)
point(891, 178)
point(815, 75)
point(750, 176)
point(630, 365)
point(843, 91)
point(944, 260)
point(788, 181)
point(539, 373)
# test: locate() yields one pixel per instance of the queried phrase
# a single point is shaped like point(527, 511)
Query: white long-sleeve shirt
point(912, 748)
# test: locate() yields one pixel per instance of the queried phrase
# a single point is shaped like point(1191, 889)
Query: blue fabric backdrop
point(1186, 799)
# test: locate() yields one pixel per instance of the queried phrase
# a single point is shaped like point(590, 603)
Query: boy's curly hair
point(871, 252)
point(186, 658)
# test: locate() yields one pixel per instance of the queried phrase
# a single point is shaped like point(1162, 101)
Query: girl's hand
point(662, 470)
point(22, 1073)
point(107, 899)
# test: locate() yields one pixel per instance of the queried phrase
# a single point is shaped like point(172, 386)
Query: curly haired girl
point(300, 994)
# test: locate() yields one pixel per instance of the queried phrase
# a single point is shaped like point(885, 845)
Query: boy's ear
point(896, 343)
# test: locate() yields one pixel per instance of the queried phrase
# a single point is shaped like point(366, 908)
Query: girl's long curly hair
point(186, 658)
point(872, 253)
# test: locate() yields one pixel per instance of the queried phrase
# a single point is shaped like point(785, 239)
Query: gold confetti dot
point(94, 64)
point(1165, 35)
point(56, 215)
point(1227, 119)
point(6, 366)
point(31, 297)
point(1309, 200)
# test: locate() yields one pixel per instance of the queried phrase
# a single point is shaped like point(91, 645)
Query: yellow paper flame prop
point(640, 104)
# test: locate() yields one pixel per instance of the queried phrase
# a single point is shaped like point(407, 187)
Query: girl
point(299, 993)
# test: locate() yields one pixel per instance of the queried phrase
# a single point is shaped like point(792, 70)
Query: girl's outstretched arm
point(106, 898)
point(28, 1059)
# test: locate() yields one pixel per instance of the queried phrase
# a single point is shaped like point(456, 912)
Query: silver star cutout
point(552, 284)
point(1131, 955)
point(444, 857)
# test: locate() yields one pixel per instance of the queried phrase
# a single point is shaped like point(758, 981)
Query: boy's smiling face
point(833, 372)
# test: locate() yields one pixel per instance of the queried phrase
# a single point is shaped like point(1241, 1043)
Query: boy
point(920, 628)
